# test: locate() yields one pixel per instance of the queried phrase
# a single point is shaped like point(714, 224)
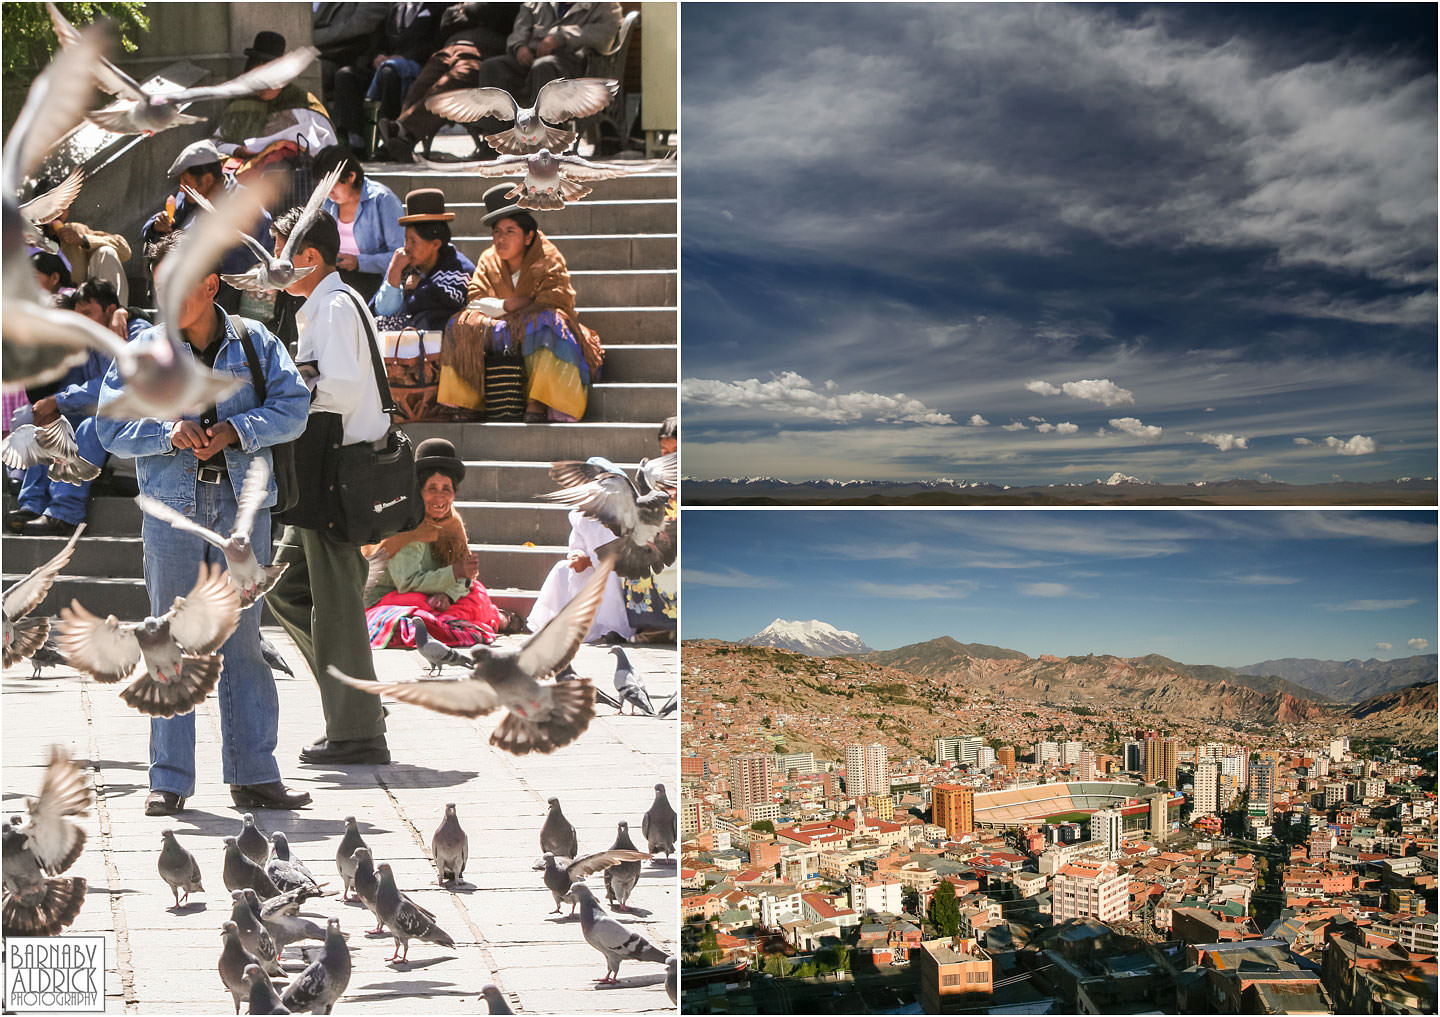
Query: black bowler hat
point(498, 207)
point(437, 455)
point(426, 204)
point(266, 47)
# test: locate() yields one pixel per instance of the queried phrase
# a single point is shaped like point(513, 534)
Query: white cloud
point(1372, 605)
point(978, 421)
point(1224, 442)
point(1067, 428)
point(730, 578)
point(1359, 445)
point(1383, 646)
point(1045, 590)
point(1045, 428)
point(1265, 579)
point(1133, 427)
point(1303, 441)
point(1095, 390)
point(1417, 643)
point(914, 591)
point(1036, 420)
point(791, 394)
point(1015, 425)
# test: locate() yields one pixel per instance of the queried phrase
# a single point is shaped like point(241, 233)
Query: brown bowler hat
point(426, 204)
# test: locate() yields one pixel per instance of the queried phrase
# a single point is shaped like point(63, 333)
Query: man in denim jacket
point(197, 466)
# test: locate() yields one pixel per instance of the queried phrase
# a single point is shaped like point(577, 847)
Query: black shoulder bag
point(282, 456)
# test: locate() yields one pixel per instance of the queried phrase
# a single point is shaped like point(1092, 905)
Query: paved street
point(163, 961)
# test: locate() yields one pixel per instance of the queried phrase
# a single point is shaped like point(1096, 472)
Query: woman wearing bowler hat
point(425, 283)
point(521, 304)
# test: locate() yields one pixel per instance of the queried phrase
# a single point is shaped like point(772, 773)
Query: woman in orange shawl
point(521, 303)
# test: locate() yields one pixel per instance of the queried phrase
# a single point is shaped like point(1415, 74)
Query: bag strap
point(387, 401)
point(257, 377)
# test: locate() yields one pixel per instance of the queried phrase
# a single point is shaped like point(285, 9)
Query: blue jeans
point(249, 703)
point(46, 497)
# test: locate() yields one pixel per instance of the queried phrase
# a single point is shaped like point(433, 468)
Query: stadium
point(1037, 803)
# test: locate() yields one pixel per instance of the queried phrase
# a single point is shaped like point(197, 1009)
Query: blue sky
point(1205, 587)
point(1042, 244)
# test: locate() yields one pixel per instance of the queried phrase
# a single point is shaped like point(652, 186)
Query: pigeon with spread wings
point(28, 446)
point(47, 207)
point(549, 180)
point(538, 718)
point(23, 634)
point(558, 101)
point(177, 648)
point(37, 901)
point(645, 535)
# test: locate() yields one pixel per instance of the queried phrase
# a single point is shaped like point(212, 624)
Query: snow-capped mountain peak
point(814, 638)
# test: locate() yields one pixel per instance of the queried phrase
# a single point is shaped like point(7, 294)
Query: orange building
point(954, 974)
point(953, 807)
point(1005, 756)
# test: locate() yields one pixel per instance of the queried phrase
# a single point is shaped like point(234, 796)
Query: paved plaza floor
point(160, 960)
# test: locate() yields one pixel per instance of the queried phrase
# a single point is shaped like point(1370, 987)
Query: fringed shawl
point(448, 535)
point(544, 278)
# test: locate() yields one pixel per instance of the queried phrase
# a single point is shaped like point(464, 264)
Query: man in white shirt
point(320, 598)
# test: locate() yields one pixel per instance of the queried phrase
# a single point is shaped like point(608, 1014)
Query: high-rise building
point(1091, 890)
point(1047, 752)
point(1069, 753)
point(1339, 747)
point(1005, 756)
point(1162, 758)
point(752, 780)
point(1207, 787)
point(877, 770)
point(1087, 764)
point(880, 807)
point(1322, 764)
point(985, 757)
point(947, 750)
point(795, 762)
point(1262, 789)
point(1132, 757)
point(690, 816)
point(953, 807)
point(855, 769)
point(1107, 826)
point(970, 747)
point(1159, 817)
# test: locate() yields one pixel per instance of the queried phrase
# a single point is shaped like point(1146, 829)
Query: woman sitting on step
point(429, 572)
point(518, 351)
point(425, 282)
point(368, 214)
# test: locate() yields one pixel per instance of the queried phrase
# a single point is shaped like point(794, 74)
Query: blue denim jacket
point(166, 473)
point(378, 232)
point(82, 388)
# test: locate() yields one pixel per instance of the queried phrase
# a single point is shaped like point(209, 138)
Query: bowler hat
point(267, 46)
point(498, 207)
point(426, 204)
point(438, 455)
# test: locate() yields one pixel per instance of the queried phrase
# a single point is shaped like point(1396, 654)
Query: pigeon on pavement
point(23, 634)
point(262, 992)
point(494, 999)
point(450, 847)
point(367, 885)
point(672, 977)
point(325, 979)
point(669, 705)
point(660, 825)
point(48, 655)
point(37, 900)
point(273, 660)
point(284, 928)
point(549, 180)
point(613, 940)
point(178, 868)
point(436, 652)
point(557, 101)
point(28, 446)
point(538, 718)
point(620, 879)
point(562, 873)
point(251, 841)
point(234, 959)
point(645, 541)
point(240, 871)
point(250, 579)
point(289, 874)
point(253, 935)
point(178, 648)
point(405, 919)
point(630, 685)
point(558, 834)
point(345, 855)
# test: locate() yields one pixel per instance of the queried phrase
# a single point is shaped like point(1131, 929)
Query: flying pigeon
point(141, 112)
point(450, 847)
point(561, 873)
point(240, 872)
point(250, 579)
point(613, 940)
point(284, 927)
point(558, 834)
point(251, 842)
point(645, 541)
point(558, 101)
point(367, 885)
point(178, 868)
point(325, 979)
point(275, 272)
point(37, 900)
point(620, 879)
point(539, 718)
point(660, 825)
point(436, 652)
point(262, 992)
point(28, 446)
point(405, 919)
point(630, 685)
point(345, 855)
point(253, 935)
point(178, 648)
point(235, 960)
point(548, 180)
point(494, 999)
point(23, 634)
point(49, 206)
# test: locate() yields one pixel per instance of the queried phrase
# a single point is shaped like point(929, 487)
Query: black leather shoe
point(45, 526)
point(163, 803)
point(273, 795)
point(15, 521)
point(364, 750)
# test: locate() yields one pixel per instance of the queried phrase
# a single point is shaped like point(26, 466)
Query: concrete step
point(600, 251)
point(122, 596)
point(619, 326)
point(116, 554)
point(605, 287)
point(494, 523)
point(463, 185)
point(530, 443)
point(654, 363)
point(626, 215)
point(510, 566)
point(631, 401)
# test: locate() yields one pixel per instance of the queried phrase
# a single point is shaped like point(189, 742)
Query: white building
point(877, 770)
point(947, 750)
point(985, 757)
point(1070, 753)
point(1090, 890)
point(1107, 827)
point(876, 896)
point(1047, 752)
point(1207, 787)
point(795, 762)
point(855, 770)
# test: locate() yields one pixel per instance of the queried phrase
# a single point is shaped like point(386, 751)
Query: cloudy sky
point(1041, 244)
point(1207, 587)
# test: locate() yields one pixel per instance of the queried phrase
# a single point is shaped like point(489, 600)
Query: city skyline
point(1229, 588)
point(1046, 244)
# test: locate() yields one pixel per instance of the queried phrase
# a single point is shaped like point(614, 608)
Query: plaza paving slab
point(162, 960)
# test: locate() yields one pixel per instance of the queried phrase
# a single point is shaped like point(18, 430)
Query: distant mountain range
point(812, 638)
point(1349, 681)
point(1117, 489)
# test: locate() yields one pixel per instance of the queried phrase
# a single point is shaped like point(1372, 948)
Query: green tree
point(710, 946)
point(763, 826)
point(28, 39)
point(910, 900)
point(776, 966)
point(945, 910)
point(841, 955)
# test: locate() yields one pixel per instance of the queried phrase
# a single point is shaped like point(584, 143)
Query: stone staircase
point(620, 244)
